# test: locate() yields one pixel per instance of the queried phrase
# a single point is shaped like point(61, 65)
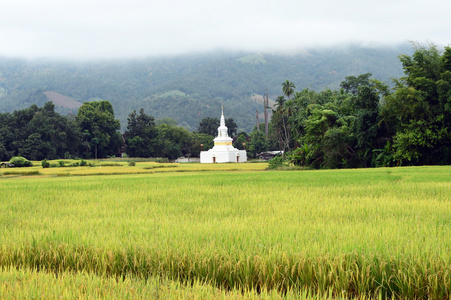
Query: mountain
point(190, 87)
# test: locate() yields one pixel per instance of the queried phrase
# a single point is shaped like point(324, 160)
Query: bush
point(275, 163)
point(132, 164)
point(83, 163)
point(19, 161)
point(61, 164)
point(45, 164)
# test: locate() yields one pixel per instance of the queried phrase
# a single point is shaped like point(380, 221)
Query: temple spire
point(222, 123)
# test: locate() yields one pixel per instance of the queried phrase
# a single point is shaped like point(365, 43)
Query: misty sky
point(93, 29)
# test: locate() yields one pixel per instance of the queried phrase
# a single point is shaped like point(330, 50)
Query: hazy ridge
point(190, 87)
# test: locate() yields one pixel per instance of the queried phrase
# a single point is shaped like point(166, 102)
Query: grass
point(339, 233)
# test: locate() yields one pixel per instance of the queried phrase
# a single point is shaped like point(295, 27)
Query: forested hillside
point(189, 88)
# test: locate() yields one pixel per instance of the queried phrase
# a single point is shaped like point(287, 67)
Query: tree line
point(39, 133)
point(367, 124)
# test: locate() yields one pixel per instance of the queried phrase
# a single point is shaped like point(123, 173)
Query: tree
point(419, 111)
point(288, 88)
point(240, 140)
point(38, 133)
point(140, 135)
point(198, 139)
point(366, 123)
point(351, 84)
point(231, 127)
point(258, 143)
point(97, 119)
point(210, 126)
point(172, 142)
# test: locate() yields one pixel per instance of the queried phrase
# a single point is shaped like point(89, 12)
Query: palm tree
point(288, 88)
point(279, 103)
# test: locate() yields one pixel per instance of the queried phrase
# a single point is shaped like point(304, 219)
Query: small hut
point(269, 155)
point(6, 165)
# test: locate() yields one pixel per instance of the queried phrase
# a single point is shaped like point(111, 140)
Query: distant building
point(6, 165)
point(269, 155)
point(223, 151)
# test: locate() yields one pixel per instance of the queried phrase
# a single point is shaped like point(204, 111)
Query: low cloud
point(117, 29)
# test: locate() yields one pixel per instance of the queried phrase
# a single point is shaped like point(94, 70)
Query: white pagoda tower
point(223, 151)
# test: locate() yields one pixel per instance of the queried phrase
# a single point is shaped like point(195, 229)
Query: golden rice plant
point(334, 233)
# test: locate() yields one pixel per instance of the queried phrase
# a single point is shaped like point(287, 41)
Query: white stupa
point(223, 151)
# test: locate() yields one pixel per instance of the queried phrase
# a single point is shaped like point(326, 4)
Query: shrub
point(19, 161)
point(132, 164)
point(45, 164)
point(61, 163)
point(275, 163)
point(83, 163)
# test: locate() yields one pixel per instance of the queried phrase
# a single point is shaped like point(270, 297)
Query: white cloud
point(108, 29)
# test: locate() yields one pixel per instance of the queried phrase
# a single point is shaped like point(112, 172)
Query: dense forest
point(191, 87)
point(365, 123)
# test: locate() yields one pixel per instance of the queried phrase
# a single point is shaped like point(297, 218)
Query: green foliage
point(275, 163)
point(144, 139)
point(45, 164)
point(140, 135)
point(288, 88)
point(209, 126)
point(240, 142)
point(132, 163)
point(419, 111)
point(19, 161)
point(172, 142)
point(200, 142)
point(258, 143)
point(364, 125)
point(300, 156)
point(351, 84)
point(383, 157)
point(37, 133)
point(99, 127)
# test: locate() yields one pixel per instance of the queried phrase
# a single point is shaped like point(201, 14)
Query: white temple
point(223, 151)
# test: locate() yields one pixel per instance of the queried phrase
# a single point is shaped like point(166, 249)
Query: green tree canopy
point(140, 135)
point(97, 120)
point(38, 133)
point(419, 111)
point(210, 126)
point(288, 88)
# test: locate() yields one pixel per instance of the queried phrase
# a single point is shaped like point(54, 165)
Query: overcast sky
point(95, 29)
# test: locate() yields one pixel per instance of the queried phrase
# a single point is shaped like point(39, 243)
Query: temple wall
point(209, 157)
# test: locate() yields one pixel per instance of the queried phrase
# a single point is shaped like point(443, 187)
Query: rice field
point(226, 231)
point(101, 167)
